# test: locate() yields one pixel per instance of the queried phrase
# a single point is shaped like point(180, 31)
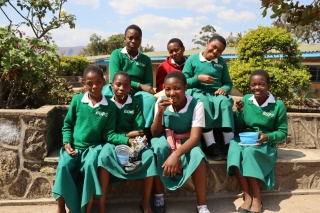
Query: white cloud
point(128, 7)
point(66, 37)
point(94, 3)
point(234, 16)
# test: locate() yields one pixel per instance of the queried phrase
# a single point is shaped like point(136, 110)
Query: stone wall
point(27, 136)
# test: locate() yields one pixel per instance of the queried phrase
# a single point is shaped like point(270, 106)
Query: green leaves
point(260, 49)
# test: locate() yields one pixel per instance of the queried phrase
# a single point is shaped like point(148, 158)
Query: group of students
point(195, 102)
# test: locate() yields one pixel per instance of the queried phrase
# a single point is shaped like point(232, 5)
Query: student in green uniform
point(138, 66)
point(209, 81)
point(87, 126)
point(178, 120)
point(129, 125)
point(258, 112)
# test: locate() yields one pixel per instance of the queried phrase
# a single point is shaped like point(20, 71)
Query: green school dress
point(258, 161)
point(180, 123)
point(140, 71)
point(86, 128)
point(218, 108)
point(129, 118)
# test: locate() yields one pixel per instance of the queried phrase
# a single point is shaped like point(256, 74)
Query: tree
point(41, 16)
point(29, 65)
point(274, 50)
point(232, 41)
point(147, 48)
point(115, 42)
point(296, 13)
point(205, 34)
point(308, 33)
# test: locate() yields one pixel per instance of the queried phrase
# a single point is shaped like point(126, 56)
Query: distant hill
point(70, 50)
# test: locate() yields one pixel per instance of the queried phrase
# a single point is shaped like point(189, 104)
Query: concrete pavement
point(284, 203)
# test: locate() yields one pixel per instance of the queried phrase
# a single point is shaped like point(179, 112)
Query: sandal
point(258, 211)
point(242, 210)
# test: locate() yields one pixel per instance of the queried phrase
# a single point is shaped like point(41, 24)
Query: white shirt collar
point(125, 51)
point(128, 101)
point(269, 100)
point(173, 62)
point(85, 99)
point(185, 108)
point(202, 58)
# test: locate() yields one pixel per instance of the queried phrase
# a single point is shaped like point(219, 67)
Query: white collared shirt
point(198, 118)
point(128, 101)
point(125, 51)
point(270, 99)
point(173, 62)
point(87, 100)
point(202, 58)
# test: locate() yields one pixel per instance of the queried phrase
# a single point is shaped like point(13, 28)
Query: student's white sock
point(158, 199)
point(209, 138)
point(202, 206)
point(227, 137)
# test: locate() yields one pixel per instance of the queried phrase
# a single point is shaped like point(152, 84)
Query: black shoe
point(214, 152)
point(159, 209)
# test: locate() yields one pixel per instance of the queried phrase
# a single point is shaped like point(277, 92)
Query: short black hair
point(177, 74)
point(262, 73)
point(121, 73)
point(219, 38)
point(92, 68)
point(133, 27)
point(176, 40)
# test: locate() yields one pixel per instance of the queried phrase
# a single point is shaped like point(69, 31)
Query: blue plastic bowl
point(122, 159)
point(249, 137)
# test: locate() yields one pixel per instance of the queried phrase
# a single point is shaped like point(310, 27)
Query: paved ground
point(271, 203)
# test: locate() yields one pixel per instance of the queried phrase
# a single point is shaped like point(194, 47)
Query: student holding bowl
point(259, 112)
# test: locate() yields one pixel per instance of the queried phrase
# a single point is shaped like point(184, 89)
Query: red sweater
point(164, 68)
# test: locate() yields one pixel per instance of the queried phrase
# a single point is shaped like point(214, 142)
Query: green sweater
point(140, 69)
point(129, 118)
point(85, 126)
point(271, 119)
point(219, 71)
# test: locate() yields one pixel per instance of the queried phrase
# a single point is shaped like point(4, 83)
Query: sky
point(159, 20)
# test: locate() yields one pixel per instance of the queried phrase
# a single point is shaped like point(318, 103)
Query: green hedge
point(73, 65)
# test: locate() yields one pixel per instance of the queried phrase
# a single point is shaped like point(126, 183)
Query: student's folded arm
point(226, 79)
point(148, 74)
point(188, 71)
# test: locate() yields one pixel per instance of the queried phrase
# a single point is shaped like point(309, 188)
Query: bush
point(28, 72)
point(73, 65)
point(257, 49)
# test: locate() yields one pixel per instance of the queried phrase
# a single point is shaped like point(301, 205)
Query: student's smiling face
point(94, 83)
point(132, 39)
point(259, 87)
point(175, 89)
point(213, 50)
point(176, 52)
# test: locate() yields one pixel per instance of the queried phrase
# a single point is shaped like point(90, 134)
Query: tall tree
point(40, 16)
point(147, 48)
point(308, 33)
point(205, 34)
point(297, 13)
point(232, 41)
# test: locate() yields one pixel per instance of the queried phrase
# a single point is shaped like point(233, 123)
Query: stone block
point(41, 188)
point(32, 166)
point(19, 187)
point(9, 166)
point(35, 122)
point(34, 145)
point(10, 131)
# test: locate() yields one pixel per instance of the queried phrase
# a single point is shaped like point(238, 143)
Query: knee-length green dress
point(258, 161)
point(218, 108)
point(129, 118)
point(180, 123)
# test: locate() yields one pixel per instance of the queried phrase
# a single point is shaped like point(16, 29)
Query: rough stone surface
point(10, 131)
point(35, 122)
point(19, 187)
point(32, 166)
point(9, 165)
point(41, 188)
point(35, 146)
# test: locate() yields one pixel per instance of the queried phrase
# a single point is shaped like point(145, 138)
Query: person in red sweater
point(174, 62)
